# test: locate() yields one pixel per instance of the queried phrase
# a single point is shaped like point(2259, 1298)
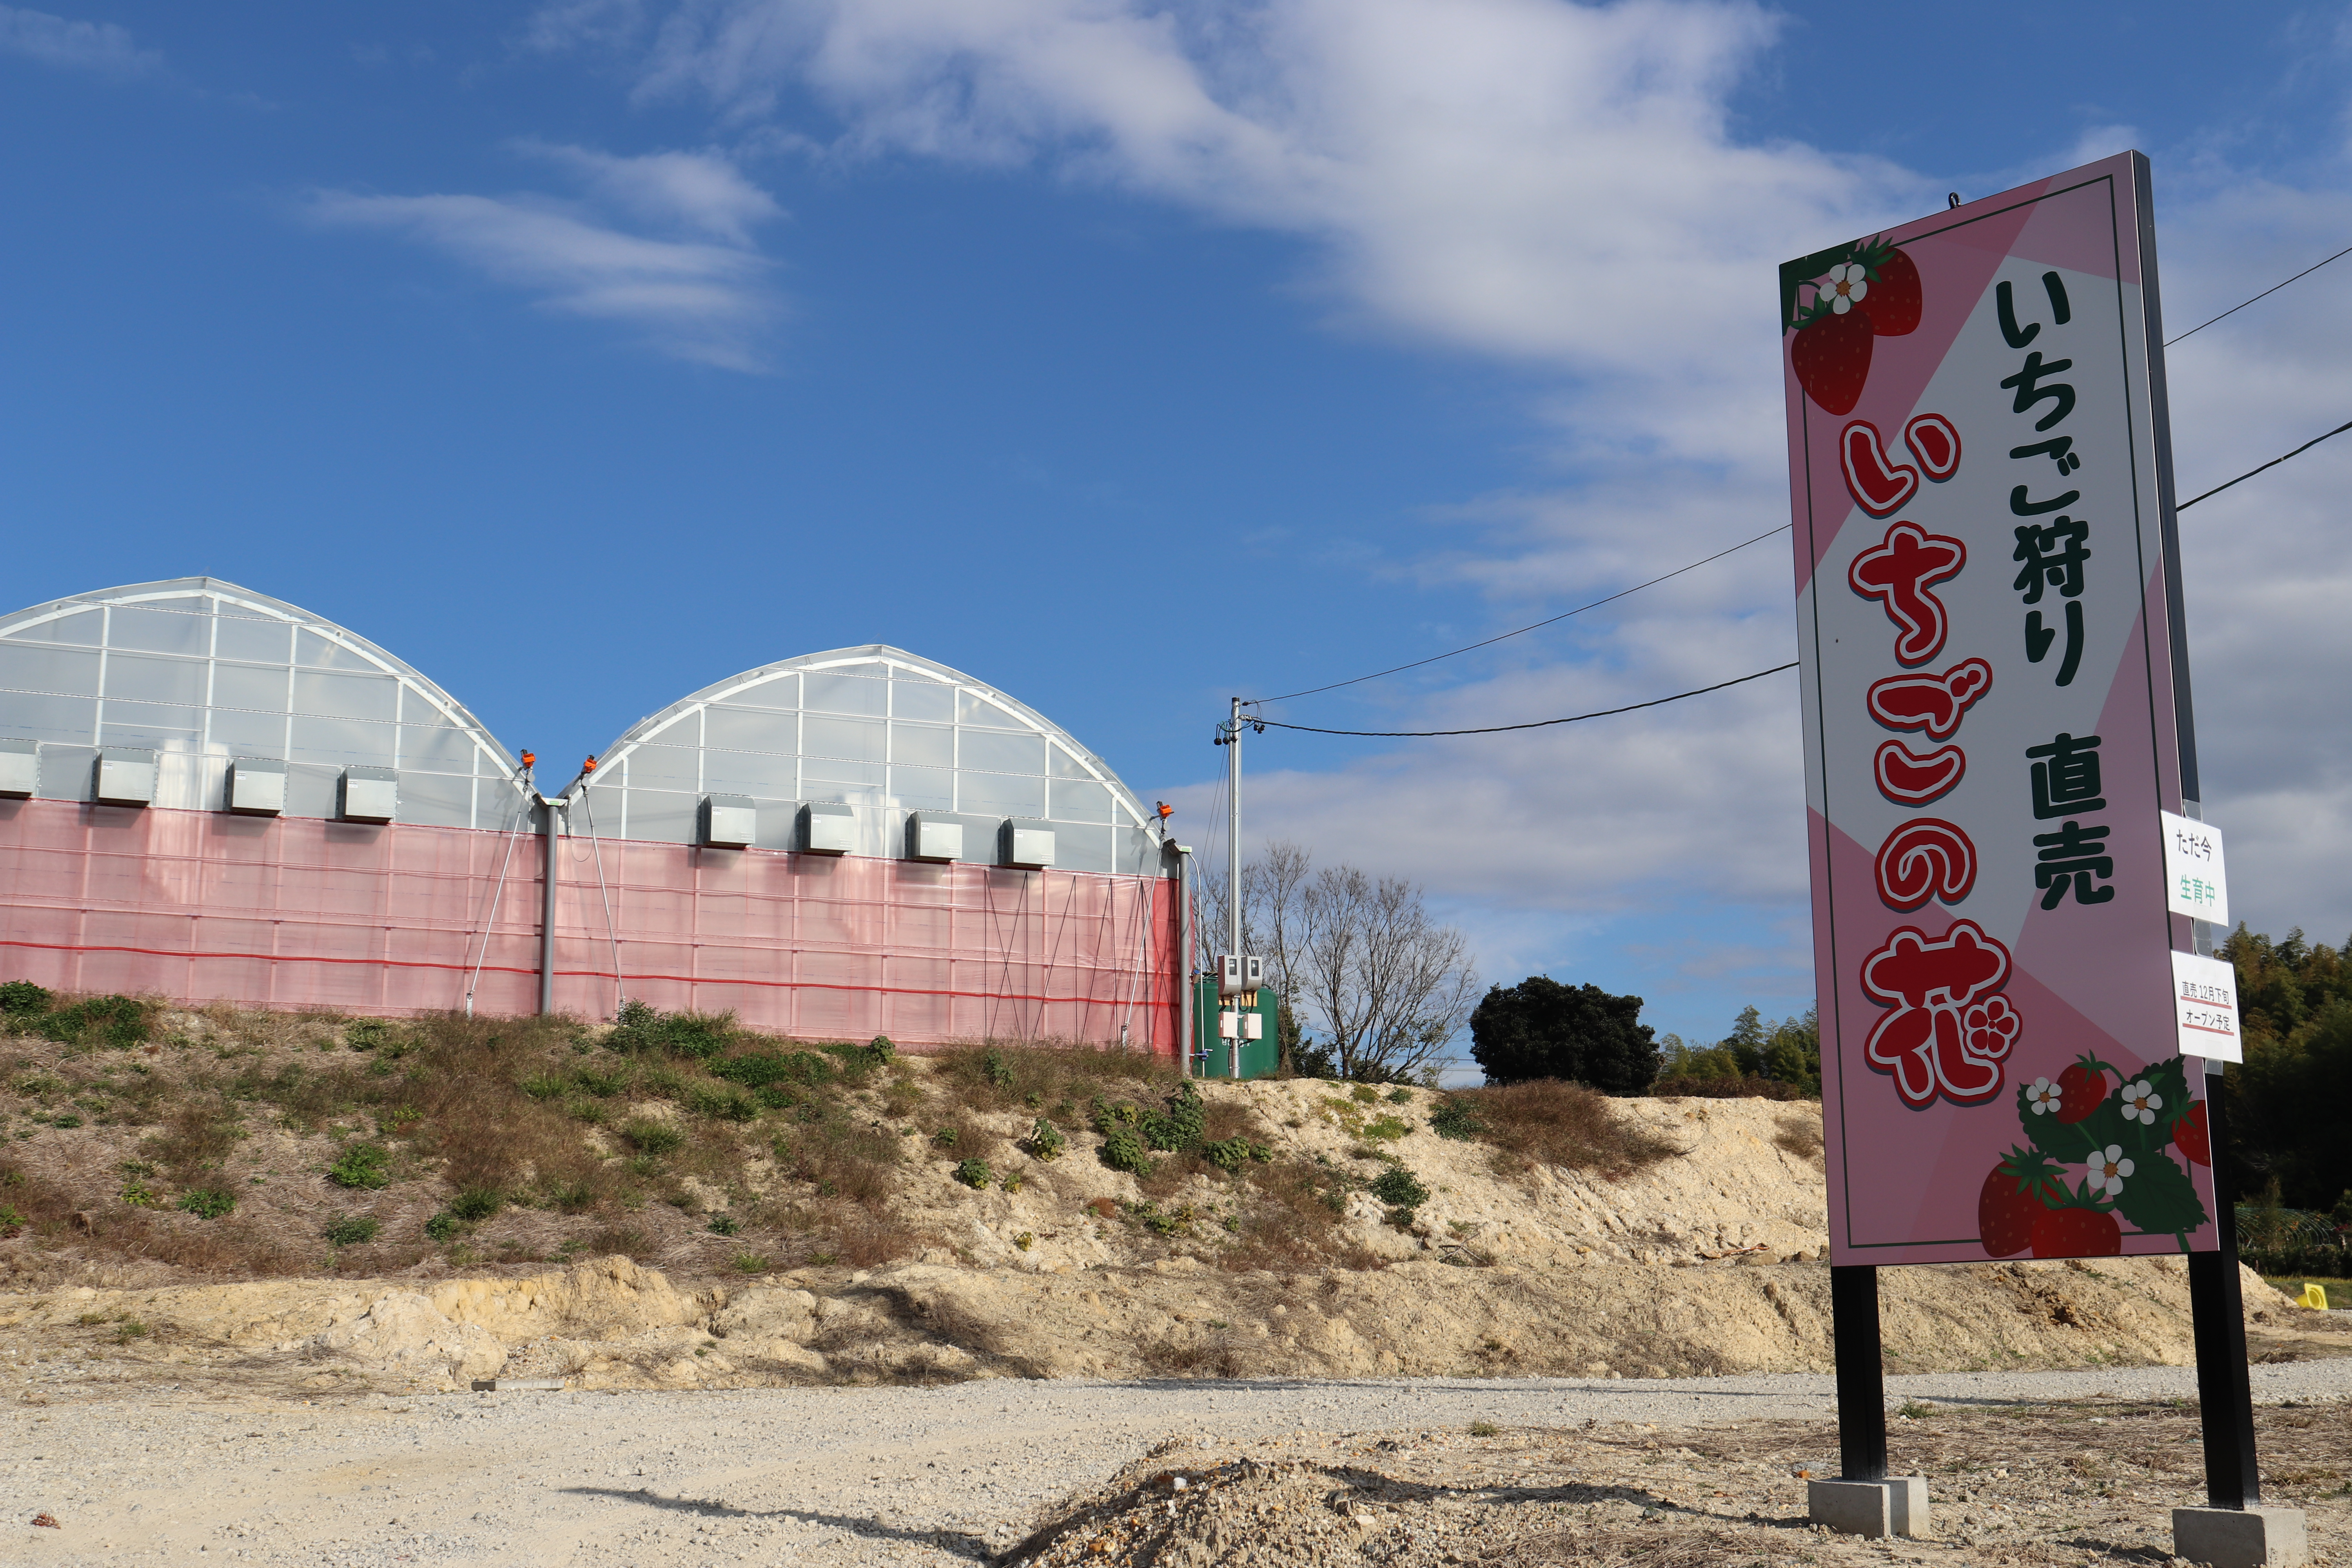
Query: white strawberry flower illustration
point(2108, 1169)
point(2044, 1097)
point(1847, 284)
point(2141, 1102)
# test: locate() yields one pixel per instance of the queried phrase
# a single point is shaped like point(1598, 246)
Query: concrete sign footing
point(1895, 1506)
point(2240, 1537)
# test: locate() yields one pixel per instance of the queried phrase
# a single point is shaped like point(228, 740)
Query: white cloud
point(100, 47)
point(696, 286)
point(1557, 185)
point(699, 192)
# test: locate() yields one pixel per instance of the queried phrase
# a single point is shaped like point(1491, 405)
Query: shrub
point(441, 1226)
point(352, 1230)
point(1685, 1086)
point(21, 998)
point(1399, 1188)
point(367, 1034)
point(118, 1023)
point(1457, 1120)
point(724, 1225)
point(655, 1138)
point(361, 1165)
point(998, 1071)
point(881, 1048)
point(543, 1085)
point(1230, 1154)
point(208, 1202)
point(751, 1263)
point(756, 1070)
point(1046, 1141)
point(726, 1104)
point(974, 1174)
point(603, 1084)
point(1123, 1150)
point(641, 1028)
point(477, 1203)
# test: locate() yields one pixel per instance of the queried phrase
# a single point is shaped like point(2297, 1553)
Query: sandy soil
point(2040, 1467)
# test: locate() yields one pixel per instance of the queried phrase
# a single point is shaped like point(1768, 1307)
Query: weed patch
point(362, 1166)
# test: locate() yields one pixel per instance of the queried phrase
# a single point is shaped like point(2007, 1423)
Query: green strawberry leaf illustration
point(2158, 1198)
point(2067, 1145)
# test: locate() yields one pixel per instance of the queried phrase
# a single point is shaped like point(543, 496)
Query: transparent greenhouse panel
point(145, 677)
point(925, 702)
point(923, 745)
point(59, 671)
point(258, 642)
point(998, 794)
point(781, 692)
point(995, 753)
point(76, 628)
point(324, 653)
point(850, 740)
point(341, 743)
point(749, 772)
point(329, 694)
point(148, 630)
point(70, 721)
point(262, 689)
point(1080, 800)
point(840, 692)
point(250, 734)
point(751, 730)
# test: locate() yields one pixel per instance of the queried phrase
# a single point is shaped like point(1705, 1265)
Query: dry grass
point(1551, 1123)
point(482, 1143)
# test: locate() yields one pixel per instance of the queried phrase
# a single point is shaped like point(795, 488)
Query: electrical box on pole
point(1252, 1018)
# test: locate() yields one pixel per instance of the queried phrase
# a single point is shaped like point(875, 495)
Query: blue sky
point(582, 353)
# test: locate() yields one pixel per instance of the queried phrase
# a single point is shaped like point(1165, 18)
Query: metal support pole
point(2225, 1400)
point(1187, 1031)
point(548, 826)
point(2225, 1404)
point(1861, 1377)
point(1233, 877)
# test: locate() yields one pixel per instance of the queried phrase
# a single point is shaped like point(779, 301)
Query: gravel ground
point(840, 1476)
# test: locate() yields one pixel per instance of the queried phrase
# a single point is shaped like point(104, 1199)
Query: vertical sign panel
point(1990, 729)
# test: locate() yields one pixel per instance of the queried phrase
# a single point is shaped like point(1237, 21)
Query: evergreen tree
point(1540, 1028)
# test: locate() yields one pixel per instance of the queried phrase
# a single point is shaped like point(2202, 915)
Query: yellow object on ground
point(2313, 1297)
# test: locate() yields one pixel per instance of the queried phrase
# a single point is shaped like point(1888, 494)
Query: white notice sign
point(2194, 882)
point(2205, 1005)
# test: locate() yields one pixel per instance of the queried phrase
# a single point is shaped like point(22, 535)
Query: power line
point(2263, 295)
point(1433, 658)
point(2274, 463)
point(1539, 724)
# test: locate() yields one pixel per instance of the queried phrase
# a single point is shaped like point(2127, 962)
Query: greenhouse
point(207, 794)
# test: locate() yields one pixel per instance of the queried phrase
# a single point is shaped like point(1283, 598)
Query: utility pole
point(1233, 832)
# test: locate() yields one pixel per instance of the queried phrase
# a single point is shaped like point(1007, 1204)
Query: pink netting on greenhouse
point(204, 906)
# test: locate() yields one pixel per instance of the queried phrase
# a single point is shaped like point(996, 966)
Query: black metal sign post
point(2225, 1398)
point(1861, 1373)
point(2234, 1531)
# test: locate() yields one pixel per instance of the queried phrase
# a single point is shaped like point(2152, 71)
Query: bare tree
point(1390, 986)
point(1272, 886)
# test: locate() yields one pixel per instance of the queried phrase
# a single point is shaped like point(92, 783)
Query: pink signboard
point(1976, 434)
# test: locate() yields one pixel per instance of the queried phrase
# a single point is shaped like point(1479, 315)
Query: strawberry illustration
point(1893, 303)
point(2082, 1089)
point(1831, 358)
point(2190, 1136)
point(2016, 1196)
point(2077, 1233)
